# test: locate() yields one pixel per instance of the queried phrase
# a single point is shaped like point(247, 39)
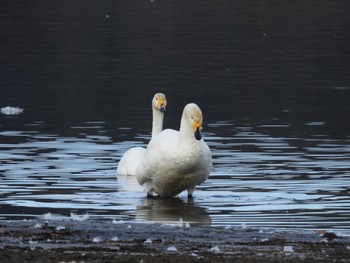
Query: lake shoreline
point(106, 241)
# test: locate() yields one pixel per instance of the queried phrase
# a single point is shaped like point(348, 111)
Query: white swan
point(134, 156)
point(176, 160)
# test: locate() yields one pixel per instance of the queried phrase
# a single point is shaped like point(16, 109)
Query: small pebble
point(288, 249)
point(215, 249)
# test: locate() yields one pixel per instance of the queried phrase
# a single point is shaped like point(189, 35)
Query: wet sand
point(111, 241)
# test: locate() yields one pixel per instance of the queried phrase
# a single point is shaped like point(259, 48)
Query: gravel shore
point(116, 241)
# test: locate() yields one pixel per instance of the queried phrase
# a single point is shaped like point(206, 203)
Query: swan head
point(194, 116)
point(159, 102)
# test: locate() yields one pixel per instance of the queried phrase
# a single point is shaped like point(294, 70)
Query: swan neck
point(157, 122)
point(186, 130)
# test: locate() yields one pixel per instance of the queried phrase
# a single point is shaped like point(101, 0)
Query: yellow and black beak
point(197, 130)
point(161, 105)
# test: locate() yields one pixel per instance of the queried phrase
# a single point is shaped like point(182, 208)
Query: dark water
point(272, 80)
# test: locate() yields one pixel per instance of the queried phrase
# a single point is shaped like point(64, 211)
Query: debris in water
point(180, 223)
point(8, 110)
point(76, 217)
point(48, 216)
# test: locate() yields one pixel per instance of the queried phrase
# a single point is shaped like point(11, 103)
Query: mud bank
point(111, 241)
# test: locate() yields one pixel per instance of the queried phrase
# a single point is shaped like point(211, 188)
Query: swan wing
point(130, 161)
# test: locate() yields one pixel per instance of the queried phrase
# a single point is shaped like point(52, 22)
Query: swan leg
point(190, 193)
point(149, 191)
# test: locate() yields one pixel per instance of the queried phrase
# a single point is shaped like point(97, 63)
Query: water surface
point(258, 180)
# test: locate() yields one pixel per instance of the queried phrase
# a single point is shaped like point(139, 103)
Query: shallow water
point(271, 79)
point(258, 180)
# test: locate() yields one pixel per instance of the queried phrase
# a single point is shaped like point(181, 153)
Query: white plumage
point(132, 158)
point(176, 160)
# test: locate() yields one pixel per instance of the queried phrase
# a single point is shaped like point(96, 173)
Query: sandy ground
point(108, 241)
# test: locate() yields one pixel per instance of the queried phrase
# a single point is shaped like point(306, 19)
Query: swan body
point(132, 158)
point(176, 160)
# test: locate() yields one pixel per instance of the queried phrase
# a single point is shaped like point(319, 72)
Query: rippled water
point(258, 180)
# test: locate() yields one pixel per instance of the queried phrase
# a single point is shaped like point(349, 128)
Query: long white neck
point(186, 131)
point(157, 122)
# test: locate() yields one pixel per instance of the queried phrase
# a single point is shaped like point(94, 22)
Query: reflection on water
point(258, 180)
point(171, 211)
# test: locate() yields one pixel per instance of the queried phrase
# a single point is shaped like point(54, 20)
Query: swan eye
point(156, 98)
point(192, 117)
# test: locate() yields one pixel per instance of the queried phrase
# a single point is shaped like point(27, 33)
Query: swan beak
point(162, 109)
point(197, 130)
point(161, 106)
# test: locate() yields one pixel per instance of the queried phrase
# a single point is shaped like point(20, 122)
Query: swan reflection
point(129, 183)
point(170, 210)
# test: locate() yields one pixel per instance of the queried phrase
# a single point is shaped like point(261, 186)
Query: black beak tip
point(162, 109)
point(197, 135)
